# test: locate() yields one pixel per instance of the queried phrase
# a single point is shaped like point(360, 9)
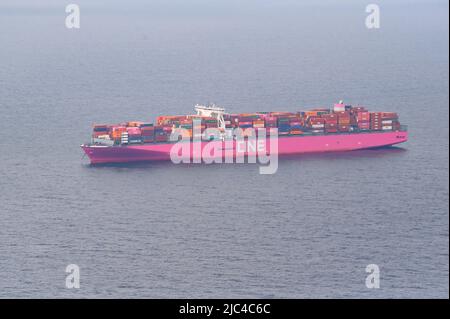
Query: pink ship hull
point(286, 145)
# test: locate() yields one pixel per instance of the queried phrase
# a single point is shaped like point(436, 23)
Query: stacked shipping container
point(382, 121)
point(344, 120)
point(331, 122)
point(341, 119)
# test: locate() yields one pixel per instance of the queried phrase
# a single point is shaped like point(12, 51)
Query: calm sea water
point(163, 230)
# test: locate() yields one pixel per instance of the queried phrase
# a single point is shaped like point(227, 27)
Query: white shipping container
point(124, 138)
point(103, 141)
point(318, 126)
point(387, 122)
point(387, 128)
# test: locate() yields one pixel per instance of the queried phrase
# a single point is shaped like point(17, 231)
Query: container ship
point(338, 128)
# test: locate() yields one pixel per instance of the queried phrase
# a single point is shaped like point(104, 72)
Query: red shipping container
point(389, 115)
point(375, 115)
point(359, 109)
point(330, 117)
point(134, 131)
point(148, 133)
point(314, 120)
point(364, 126)
point(375, 127)
point(161, 138)
point(148, 139)
point(363, 116)
point(344, 117)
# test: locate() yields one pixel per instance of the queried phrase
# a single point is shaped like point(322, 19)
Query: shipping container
point(260, 121)
point(358, 109)
point(134, 124)
point(135, 140)
point(316, 120)
point(281, 113)
point(147, 133)
point(256, 125)
point(134, 131)
point(363, 116)
point(389, 115)
point(161, 138)
point(343, 128)
point(330, 117)
point(364, 125)
point(146, 125)
point(101, 128)
point(116, 131)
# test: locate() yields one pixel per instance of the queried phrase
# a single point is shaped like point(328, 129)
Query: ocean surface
point(202, 231)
